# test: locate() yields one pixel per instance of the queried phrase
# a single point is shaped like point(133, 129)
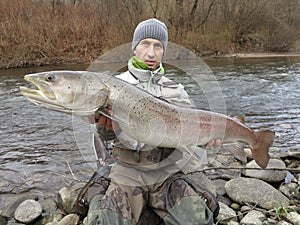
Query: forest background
point(43, 32)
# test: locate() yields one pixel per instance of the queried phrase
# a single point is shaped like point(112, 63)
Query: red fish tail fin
point(260, 151)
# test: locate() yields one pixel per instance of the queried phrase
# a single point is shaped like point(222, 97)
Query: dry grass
point(35, 33)
point(39, 32)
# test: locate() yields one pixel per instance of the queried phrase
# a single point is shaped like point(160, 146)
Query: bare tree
point(154, 7)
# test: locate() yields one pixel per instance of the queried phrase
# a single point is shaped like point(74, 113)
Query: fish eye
point(50, 77)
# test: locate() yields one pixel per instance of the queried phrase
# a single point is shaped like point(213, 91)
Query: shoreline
point(49, 62)
point(260, 55)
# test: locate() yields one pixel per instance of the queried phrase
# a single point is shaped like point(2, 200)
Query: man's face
point(151, 51)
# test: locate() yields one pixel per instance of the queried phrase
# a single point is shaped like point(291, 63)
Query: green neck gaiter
point(140, 64)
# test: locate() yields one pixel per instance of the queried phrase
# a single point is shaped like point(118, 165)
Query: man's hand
point(105, 121)
point(102, 120)
point(214, 143)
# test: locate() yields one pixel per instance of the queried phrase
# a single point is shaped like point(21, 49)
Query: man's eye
point(158, 46)
point(145, 44)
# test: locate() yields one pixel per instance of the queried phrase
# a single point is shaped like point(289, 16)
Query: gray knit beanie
point(151, 28)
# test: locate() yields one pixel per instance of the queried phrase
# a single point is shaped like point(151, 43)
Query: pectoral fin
point(237, 150)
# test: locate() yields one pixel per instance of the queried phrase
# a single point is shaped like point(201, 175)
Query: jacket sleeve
point(174, 93)
point(181, 99)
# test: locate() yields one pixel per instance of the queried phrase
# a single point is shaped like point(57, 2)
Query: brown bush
point(37, 32)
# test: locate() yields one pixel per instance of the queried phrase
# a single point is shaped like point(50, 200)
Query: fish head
point(78, 92)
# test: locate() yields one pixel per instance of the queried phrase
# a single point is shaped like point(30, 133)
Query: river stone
point(253, 218)
point(295, 154)
point(291, 190)
point(71, 219)
point(50, 218)
point(233, 223)
point(254, 191)
point(225, 213)
point(28, 211)
point(219, 184)
point(294, 217)
point(267, 175)
point(48, 205)
point(290, 154)
point(2, 221)
point(282, 223)
point(9, 210)
point(67, 198)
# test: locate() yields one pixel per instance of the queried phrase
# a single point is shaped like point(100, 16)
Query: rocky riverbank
point(247, 195)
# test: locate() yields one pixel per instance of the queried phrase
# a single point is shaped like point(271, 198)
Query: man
point(146, 176)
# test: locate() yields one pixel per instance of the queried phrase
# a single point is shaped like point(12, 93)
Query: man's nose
point(151, 51)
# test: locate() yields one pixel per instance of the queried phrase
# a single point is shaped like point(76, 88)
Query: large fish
point(140, 115)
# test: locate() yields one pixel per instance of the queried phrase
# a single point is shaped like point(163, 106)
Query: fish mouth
point(43, 89)
point(41, 95)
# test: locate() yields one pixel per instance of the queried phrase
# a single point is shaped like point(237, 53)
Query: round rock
point(267, 175)
point(254, 191)
point(253, 218)
point(28, 211)
point(71, 219)
point(225, 213)
point(67, 198)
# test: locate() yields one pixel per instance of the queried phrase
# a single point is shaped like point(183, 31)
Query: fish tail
point(260, 151)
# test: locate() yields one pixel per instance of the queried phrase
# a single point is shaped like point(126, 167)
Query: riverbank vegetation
point(39, 32)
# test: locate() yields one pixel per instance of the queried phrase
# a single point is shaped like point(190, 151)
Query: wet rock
point(294, 217)
point(28, 211)
point(282, 223)
point(49, 218)
point(67, 198)
point(295, 154)
point(293, 164)
point(226, 200)
point(233, 223)
point(245, 208)
point(290, 154)
point(235, 206)
point(9, 210)
point(297, 177)
point(71, 219)
point(220, 187)
point(48, 205)
point(254, 191)
point(253, 218)
point(290, 190)
point(226, 214)
point(219, 161)
point(267, 175)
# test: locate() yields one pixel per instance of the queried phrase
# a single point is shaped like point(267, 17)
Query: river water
point(39, 154)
